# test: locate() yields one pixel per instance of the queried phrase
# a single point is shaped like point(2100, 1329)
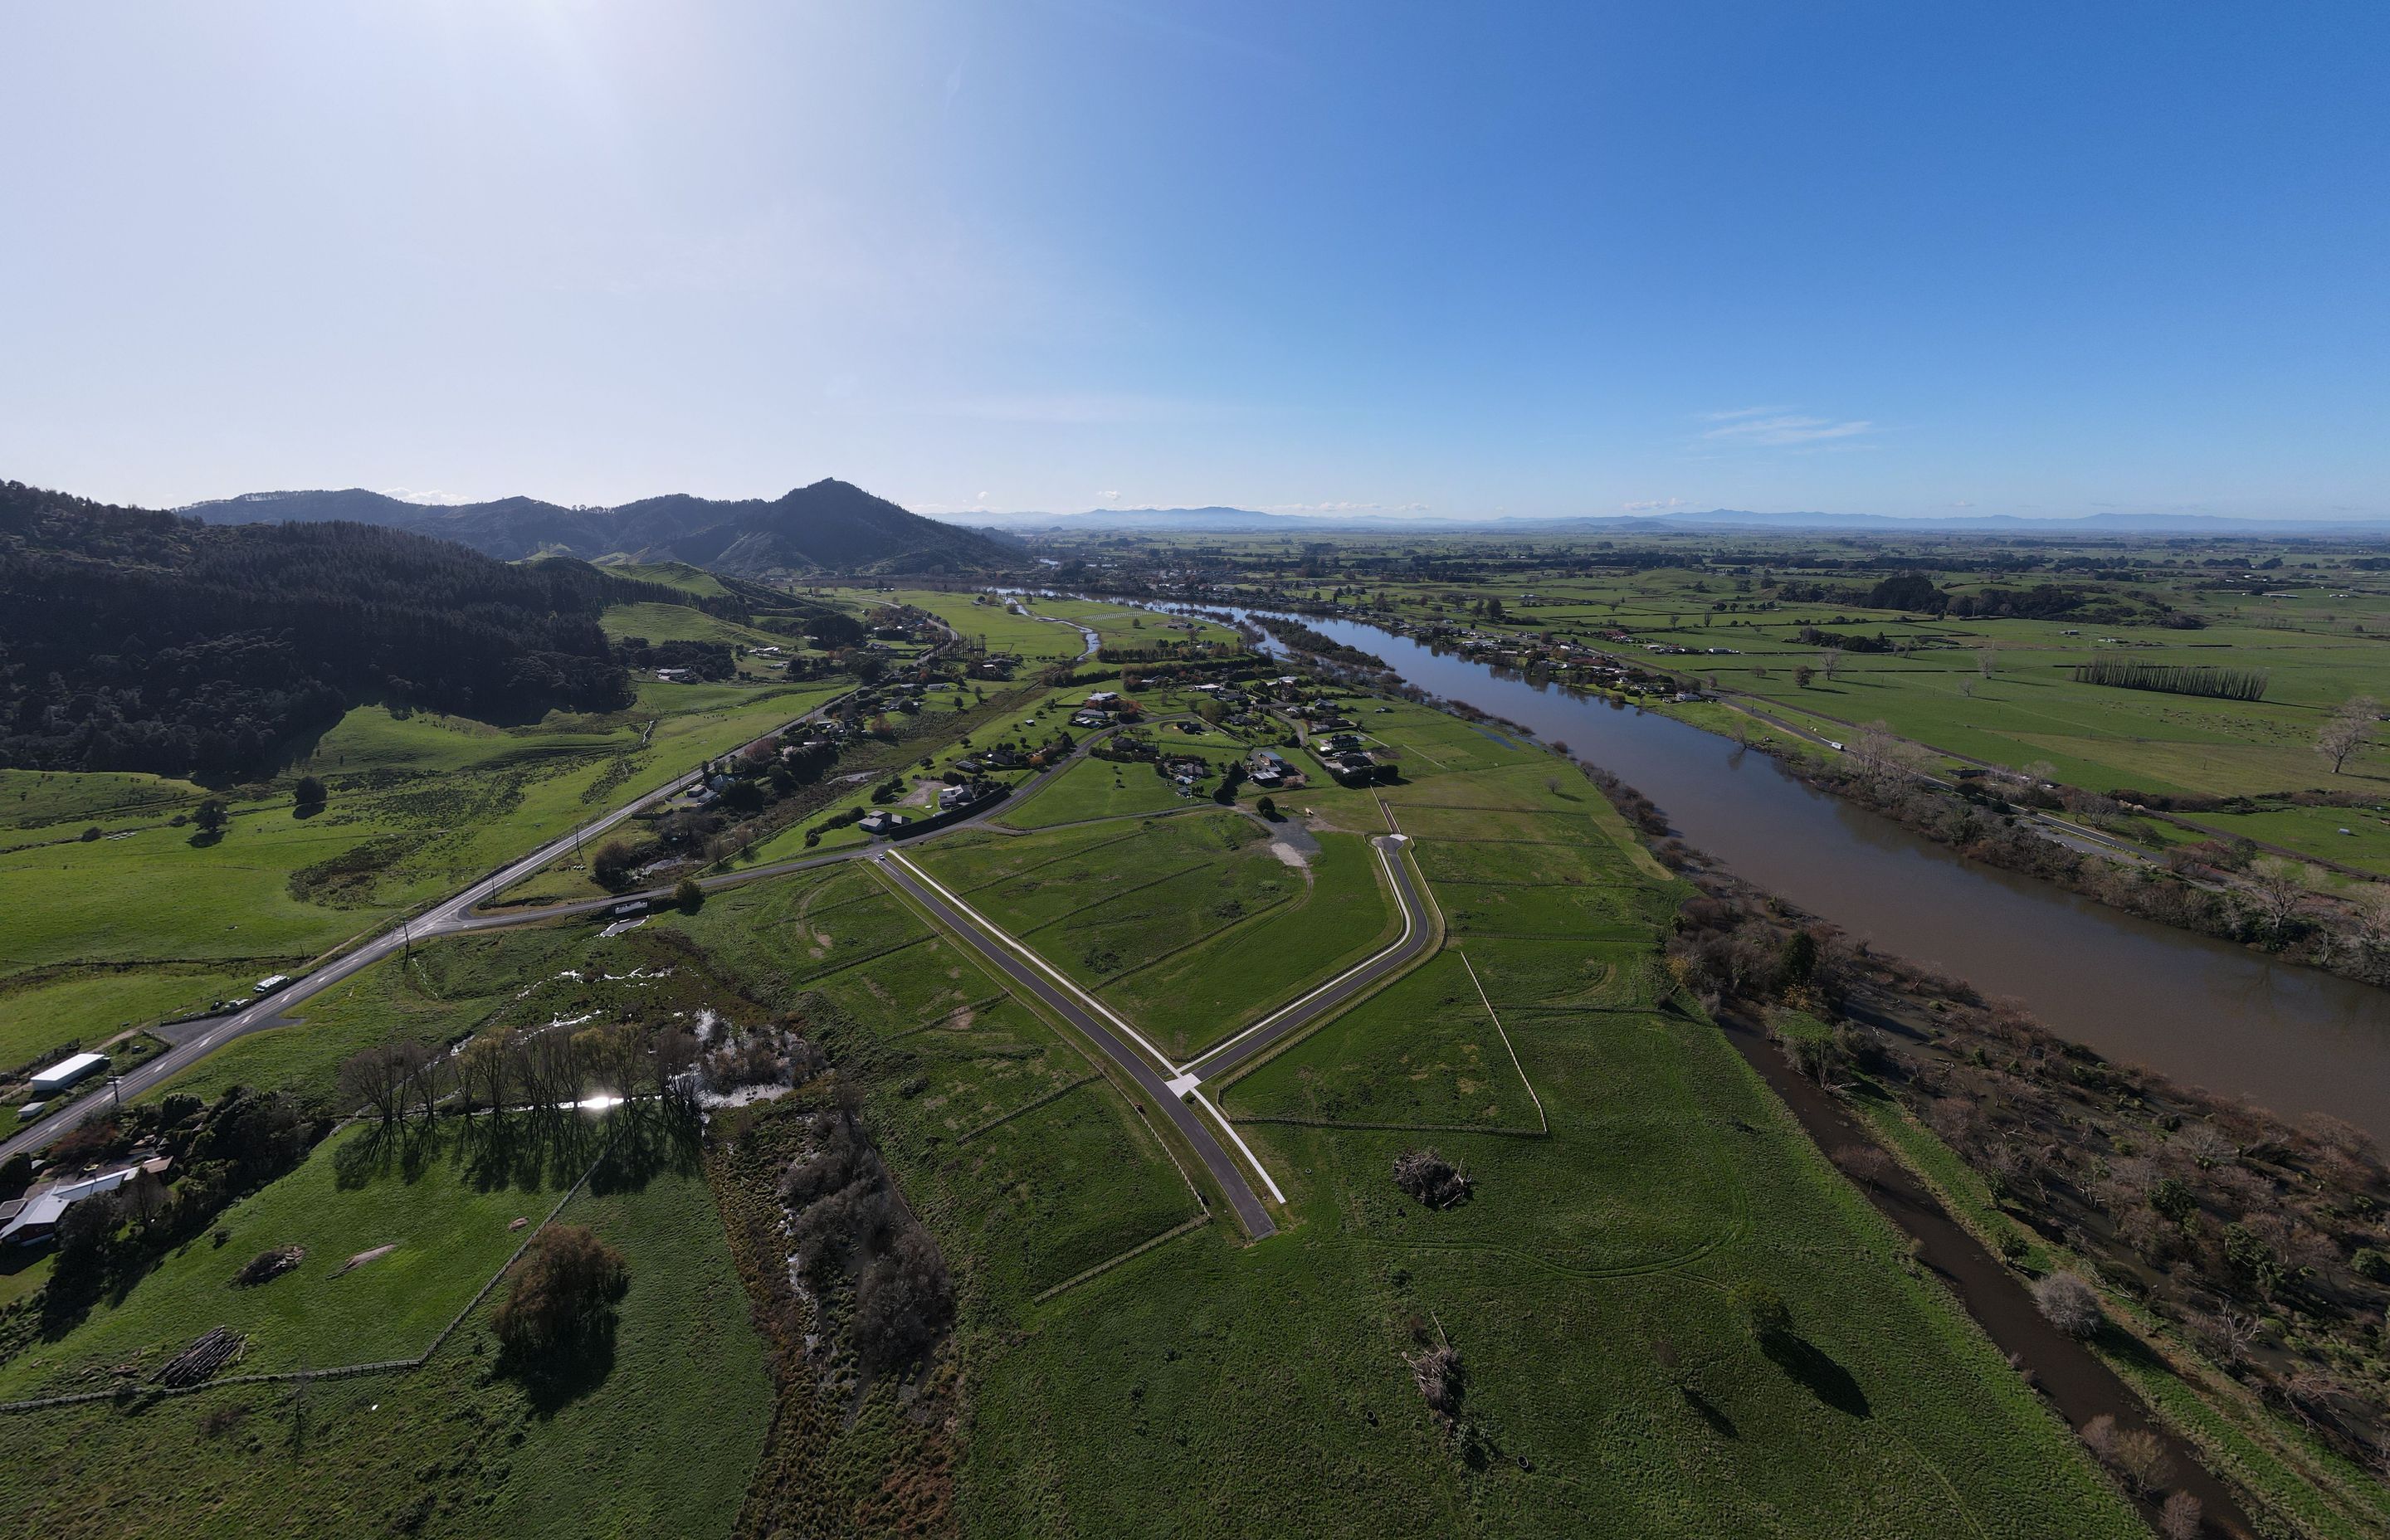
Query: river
point(2201, 1012)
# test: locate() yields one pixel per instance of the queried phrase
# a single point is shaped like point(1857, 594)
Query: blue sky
point(1461, 260)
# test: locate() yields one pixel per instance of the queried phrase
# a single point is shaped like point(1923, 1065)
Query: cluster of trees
point(1811, 635)
point(1913, 591)
point(2221, 684)
point(562, 1296)
point(538, 1072)
point(707, 660)
point(219, 1150)
point(2264, 1242)
point(137, 640)
point(1304, 638)
point(752, 781)
point(2043, 601)
point(847, 1227)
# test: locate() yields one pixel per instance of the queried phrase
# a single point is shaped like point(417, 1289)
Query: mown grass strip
point(1130, 1255)
point(1048, 1099)
point(1544, 1123)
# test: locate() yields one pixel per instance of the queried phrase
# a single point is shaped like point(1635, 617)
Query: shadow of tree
point(555, 1380)
point(1720, 1422)
point(1806, 1364)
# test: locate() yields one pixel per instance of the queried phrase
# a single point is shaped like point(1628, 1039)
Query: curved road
point(988, 942)
point(1147, 1065)
point(1097, 1022)
point(455, 916)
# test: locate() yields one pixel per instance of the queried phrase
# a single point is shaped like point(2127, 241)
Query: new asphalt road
point(450, 917)
point(987, 940)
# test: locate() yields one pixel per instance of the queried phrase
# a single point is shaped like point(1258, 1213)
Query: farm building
point(66, 1071)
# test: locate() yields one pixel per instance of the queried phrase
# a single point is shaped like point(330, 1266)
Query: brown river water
point(2203, 1013)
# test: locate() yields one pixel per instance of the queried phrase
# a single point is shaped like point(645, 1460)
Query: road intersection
point(1170, 1085)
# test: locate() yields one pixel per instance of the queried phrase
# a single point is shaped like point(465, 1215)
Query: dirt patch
point(1289, 854)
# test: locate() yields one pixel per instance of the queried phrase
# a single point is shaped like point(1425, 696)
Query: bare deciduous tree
point(2069, 1303)
point(2182, 1518)
point(2347, 730)
point(2276, 885)
point(1986, 660)
point(2140, 1458)
point(2229, 1333)
point(1867, 1164)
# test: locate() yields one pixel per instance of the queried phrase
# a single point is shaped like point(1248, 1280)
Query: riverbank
point(2210, 889)
point(2205, 1011)
point(2078, 1386)
point(2228, 1248)
point(2237, 892)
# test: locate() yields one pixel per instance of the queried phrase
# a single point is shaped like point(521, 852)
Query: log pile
point(202, 1358)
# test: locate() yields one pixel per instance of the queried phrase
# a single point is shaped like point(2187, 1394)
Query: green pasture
point(675, 574)
point(659, 1438)
point(447, 1222)
point(1188, 999)
point(41, 1012)
point(420, 805)
point(1423, 1052)
point(1104, 788)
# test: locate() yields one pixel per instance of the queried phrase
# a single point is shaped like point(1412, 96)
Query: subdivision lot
point(1341, 913)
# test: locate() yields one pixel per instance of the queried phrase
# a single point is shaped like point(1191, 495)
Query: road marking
point(1411, 924)
point(1033, 959)
point(1206, 1102)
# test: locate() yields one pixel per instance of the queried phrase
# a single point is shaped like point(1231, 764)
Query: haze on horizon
point(1583, 259)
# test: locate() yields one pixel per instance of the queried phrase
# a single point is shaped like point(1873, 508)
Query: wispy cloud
point(1653, 505)
point(1111, 495)
point(427, 497)
point(1776, 427)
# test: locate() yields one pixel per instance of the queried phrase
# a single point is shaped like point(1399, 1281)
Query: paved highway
point(451, 915)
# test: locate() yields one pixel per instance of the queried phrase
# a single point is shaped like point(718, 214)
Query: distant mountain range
point(831, 526)
point(1204, 519)
point(1248, 521)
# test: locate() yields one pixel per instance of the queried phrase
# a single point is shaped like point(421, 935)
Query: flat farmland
point(420, 805)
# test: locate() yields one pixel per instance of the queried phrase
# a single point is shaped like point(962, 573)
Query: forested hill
point(138, 640)
point(831, 526)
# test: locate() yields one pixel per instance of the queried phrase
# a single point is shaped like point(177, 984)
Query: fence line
point(133, 1389)
point(1131, 1254)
